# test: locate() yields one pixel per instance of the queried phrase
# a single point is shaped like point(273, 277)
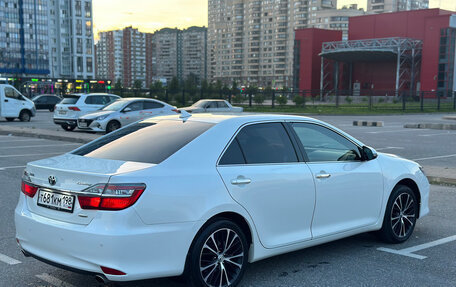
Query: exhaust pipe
point(101, 279)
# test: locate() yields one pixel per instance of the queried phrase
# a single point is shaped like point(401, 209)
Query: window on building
point(88, 9)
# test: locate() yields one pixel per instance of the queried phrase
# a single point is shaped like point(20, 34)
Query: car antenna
point(184, 115)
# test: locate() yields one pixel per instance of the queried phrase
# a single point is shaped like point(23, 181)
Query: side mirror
point(369, 153)
point(126, 110)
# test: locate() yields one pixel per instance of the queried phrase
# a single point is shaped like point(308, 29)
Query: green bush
point(258, 99)
point(381, 100)
point(237, 99)
point(348, 100)
point(395, 101)
point(282, 100)
point(364, 99)
point(299, 100)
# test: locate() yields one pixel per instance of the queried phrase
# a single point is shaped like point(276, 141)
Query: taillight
point(29, 189)
point(76, 109)
point(111, 196)
point(176, 111)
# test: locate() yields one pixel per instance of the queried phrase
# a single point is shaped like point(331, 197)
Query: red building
point(411, 50)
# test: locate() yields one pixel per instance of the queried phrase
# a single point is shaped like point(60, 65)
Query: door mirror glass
point(127, 109)
point(369, 153)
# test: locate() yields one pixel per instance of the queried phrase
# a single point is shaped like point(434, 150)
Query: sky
point(152, 15)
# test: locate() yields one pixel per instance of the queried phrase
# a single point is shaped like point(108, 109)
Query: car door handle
point(6, 101)
point(323, 175)
point(239, 181)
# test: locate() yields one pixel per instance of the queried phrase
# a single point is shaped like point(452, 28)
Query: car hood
point(97, 114)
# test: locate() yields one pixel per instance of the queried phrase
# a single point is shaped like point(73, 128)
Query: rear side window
point(97, 100)
point(148, 105)
point(70, 100)
point(222, 105)
point(149, 142)
point(260, 144)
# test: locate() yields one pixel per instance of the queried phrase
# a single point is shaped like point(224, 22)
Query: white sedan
point(212, 106)
point(124, 112)
point(203, 195)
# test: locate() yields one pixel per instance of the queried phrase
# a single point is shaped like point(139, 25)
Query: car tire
point(51, 109)
point(25, 116)
point(10, 119)
point(400, 215)
point(68, 128)
point(112, 126)
point(219, 252)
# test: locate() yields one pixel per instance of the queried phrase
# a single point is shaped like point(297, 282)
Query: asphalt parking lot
point(427, 259)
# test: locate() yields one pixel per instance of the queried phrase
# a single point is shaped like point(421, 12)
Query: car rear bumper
point(118, 240)
point(70, 122)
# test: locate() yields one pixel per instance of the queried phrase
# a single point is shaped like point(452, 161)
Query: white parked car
point(203, 195)
point(212, 106)
point(123, 112)
point(73, 106)
point(14, 105)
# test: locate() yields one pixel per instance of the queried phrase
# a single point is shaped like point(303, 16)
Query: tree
point(138, 84)
point(234, 88)
point(174, 85)
point(157, 89)
point(190, 84)
point(118, 84)
point(204, 87)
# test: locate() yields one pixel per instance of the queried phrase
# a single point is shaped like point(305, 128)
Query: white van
point(14, 105)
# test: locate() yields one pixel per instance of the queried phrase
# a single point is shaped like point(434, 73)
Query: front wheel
point(25, 116)
point(112, 126)
point(218, 256)
point(400, 215)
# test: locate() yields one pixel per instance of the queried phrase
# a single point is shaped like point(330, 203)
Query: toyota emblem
point(52, 180)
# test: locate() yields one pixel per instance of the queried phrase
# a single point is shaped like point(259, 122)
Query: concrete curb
point(48, 134)
point(450, 118)
point(368, 124)
point(441, 180)
point(431, 126)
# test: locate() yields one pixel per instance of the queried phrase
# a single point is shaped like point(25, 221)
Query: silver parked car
point(123, 112)
point(212, 106)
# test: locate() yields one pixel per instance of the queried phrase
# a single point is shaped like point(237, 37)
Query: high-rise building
point(24, 41)
point(71, 38)
point(383, 6)
point(125, 55)
point(46, 38)
point(252, 41)
point(180, 53)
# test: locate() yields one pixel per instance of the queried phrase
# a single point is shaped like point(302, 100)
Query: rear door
point(131, 113)
point(349, 191)
point(262, 172)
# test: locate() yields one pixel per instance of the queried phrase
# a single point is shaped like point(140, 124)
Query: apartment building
point(252, 41)
point(335, 19)
point(383, 6)
point(180, 53)
point(51, 38)
point(109, 56)
point(134, 57)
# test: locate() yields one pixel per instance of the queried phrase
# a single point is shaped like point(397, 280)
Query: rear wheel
point(25, 116)
point(10, 119)
point(400, 215)
point(68, 128)
point(51, 109)
point(112, 126)
point(218, 256)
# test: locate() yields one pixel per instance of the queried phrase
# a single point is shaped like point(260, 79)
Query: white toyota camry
point(203, 195)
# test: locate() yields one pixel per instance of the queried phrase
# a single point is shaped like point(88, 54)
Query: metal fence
point(308, 99)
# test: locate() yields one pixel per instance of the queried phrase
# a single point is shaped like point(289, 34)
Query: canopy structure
point(406, 52)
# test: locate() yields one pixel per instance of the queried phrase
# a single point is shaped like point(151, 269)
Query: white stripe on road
point(439, 134)
point(14, 141)
point(409, 251)
point(9, 260)
point(395, 131)
point(53, 281)
point(35, 146)
point(11, 167)
point(33, 154)
point(435, 157)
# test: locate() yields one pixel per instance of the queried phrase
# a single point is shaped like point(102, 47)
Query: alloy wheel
point(221, 258)
point(403, 215)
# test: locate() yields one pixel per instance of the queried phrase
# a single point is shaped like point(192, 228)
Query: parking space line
point(393, 131)
point(33, 154)
point(439, 134)
point(11, 167)
point(37, 146)
point(53, 281)
point(8, 260)
point(409, 251)
point(435, 157)
point(14, 141)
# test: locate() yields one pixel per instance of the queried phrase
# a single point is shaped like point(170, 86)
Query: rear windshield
point(149, 142)
point(70, 100)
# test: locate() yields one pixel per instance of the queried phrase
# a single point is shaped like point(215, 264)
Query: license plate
point(62, 112)
point(55, 200)
point(82, 124)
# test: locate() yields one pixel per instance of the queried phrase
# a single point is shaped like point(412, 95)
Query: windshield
point(117, 105)
point(200, 104)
